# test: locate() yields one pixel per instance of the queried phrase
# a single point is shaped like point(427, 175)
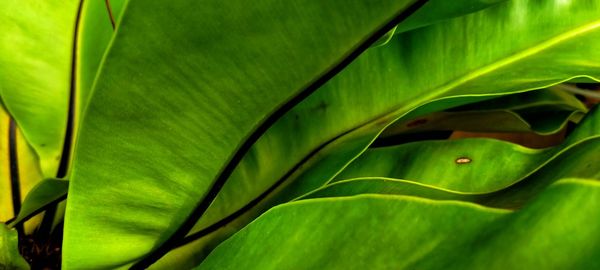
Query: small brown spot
point(417, 122)
point(463, 160)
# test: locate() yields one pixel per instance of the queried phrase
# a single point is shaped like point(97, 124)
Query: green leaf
point(400, 232)
point(95, 35)
point(176, 111)
point(577, 162)
point(34, 86)
point(527, 64)
point(466, 77)
point(469, 59)
point(10, 259)
point(544, 112)
point(437, 11)
point(45, 193)
point(466, 165)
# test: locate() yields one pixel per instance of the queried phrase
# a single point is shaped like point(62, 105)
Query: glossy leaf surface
point(467, 165)
point(580, 161)
point(314, 155)
point(399, 232)
point(35, 87)
point(541, 111)
point(180, 108)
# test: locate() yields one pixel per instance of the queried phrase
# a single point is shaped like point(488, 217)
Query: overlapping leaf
point(37, 88)
point(168, 115)
point(488, 53)
point(579, 161)
point(399, 232)
point(543, 111)
point(468, 165)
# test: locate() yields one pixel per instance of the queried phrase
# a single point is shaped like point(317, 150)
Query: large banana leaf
point(177, 110)
point(555, 231)
point(487, 53)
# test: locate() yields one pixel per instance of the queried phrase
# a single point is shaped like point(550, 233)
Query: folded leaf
point(313, 156)
point(466, 165)
point(543, 111)
point(400, 232)
point(437, 11)
point(312, 143)
point(578, 162)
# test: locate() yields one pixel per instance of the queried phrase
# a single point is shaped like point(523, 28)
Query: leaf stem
point(110, 14)
point(15, 183)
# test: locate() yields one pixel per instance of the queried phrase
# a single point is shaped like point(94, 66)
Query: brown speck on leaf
point(463, 160)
